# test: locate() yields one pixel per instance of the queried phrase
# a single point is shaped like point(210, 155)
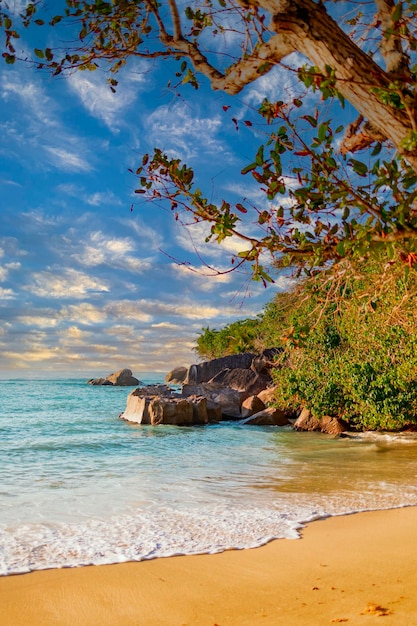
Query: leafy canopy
point(320, 204)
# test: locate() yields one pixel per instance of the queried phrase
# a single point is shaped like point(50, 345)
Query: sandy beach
point(355, 569)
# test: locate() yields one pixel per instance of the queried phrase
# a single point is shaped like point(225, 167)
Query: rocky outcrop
point(122, 378)
point(252, 405)
point(209, 370)
point(325, 424)
point(267, 395)
point(174, 411)
point(176, 376)
point(268, 417)
point(229, 400)
point(143, 407)
point(225, 388)
point(204, 372)
point(246, 381)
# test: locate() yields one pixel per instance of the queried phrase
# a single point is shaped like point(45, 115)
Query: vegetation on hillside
point(350, 344)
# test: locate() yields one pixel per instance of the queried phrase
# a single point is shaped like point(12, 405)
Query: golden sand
point(358, 569)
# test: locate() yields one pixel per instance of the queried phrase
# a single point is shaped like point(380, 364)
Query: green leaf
point(409, 181)
point(312, 120)
point(358, 167)
point(322, 131)
point(249, 168)
point(39, 53)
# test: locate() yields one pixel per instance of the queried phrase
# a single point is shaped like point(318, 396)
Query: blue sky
point(88, 286)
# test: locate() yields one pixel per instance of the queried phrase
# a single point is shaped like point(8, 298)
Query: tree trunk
point(316, 35)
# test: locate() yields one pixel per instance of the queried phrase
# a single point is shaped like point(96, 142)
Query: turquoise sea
point(80, 486)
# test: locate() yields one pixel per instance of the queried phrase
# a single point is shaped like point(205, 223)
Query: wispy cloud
point(96, 96)
point(182, 132)
point(68, 283)
point(37, 105)
point(62, 158)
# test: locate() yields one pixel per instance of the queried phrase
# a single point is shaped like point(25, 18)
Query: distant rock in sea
point(177, 375)
point(122, 378)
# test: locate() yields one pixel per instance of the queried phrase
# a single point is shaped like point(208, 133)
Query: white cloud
point(66, 283)
point(281, 83)
point(65, 159)
point(7, 294)
point(43, 321)
point(101, 197)
point(129, 310)
point(84, 313)
point(153, 238)
point(100, 101)
point(116, 252)
point(34, 99)
point(192, 238)
point(181, 132)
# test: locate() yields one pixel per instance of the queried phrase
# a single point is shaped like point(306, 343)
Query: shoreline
point(344, 569)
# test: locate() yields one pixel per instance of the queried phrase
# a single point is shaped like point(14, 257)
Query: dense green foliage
point(350, 345)
point(234, 338)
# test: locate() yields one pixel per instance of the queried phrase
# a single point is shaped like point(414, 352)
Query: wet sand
point(357, 569)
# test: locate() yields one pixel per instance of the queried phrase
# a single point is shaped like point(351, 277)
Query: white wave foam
point(164, 533)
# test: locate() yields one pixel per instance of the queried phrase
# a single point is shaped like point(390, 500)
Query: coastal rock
point(325, 424)
point(268, 417)
point(246, 381)
point(252, 405)
point(99, 381)
point(155, 390)
point(203, 372)
point(176, 376)
point(121, 378)
point(173, 411)
point(264, 361)
point(229, 400)
point(267, 395)
point(214, 412)
point(199, 405)
point(143, 407)
point(137, 409)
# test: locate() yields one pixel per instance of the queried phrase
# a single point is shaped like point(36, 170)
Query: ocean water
point(80, 486)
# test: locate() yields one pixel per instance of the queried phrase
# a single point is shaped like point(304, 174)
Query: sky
point(93, 277)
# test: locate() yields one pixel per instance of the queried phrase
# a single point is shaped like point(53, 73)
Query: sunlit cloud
point(43, 321)
point(7, 294)
point(116, 252)
point(68, 283)
point(83, 313)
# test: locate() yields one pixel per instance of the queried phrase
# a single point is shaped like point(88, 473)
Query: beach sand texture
point(358, 569)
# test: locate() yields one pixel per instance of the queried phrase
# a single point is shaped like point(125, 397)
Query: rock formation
point(176, 376)
point(221, 389)
point(122, 378)
point(325, 424)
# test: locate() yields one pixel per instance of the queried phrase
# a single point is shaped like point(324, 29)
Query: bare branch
point(261, 61)
point(175, 19)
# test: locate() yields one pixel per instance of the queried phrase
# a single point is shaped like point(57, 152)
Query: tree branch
point(360, 135)
point(175, 19)
point(396, 61)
